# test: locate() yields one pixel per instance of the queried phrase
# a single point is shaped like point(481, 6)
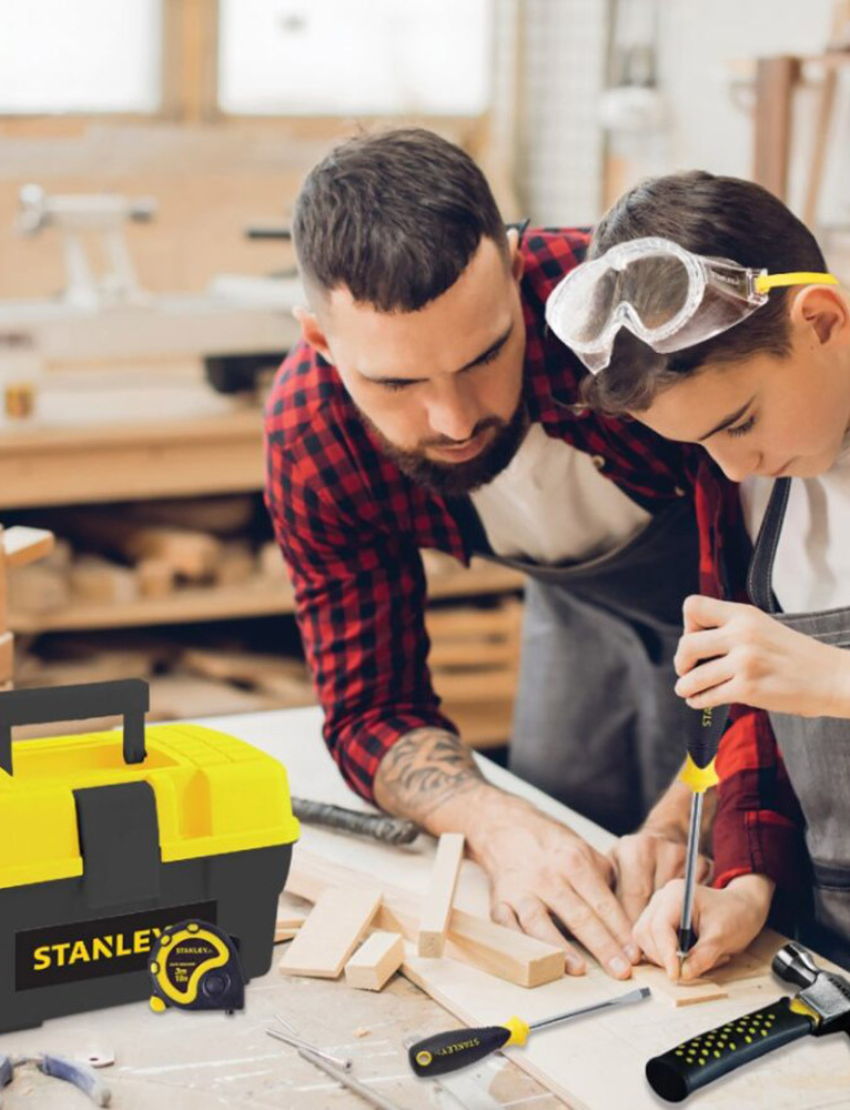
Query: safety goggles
point(665, 295)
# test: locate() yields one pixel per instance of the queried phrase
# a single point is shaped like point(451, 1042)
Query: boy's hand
point(646, 861)
point(754, 660)
point(725, 922)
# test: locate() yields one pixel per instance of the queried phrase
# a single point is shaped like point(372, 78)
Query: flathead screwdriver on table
point(459, 1047)
point(704, 728)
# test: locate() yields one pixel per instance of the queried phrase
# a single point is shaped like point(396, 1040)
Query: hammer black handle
point(702, 1059)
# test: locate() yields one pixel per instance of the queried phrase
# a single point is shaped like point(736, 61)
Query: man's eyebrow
point(496, 345)
point(727, 421)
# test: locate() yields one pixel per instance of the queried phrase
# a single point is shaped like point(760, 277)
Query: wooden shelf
point(263, 597)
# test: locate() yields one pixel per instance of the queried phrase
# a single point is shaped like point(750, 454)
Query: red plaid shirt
point(351, 526)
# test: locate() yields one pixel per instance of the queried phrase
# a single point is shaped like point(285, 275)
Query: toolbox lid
point(214, 794)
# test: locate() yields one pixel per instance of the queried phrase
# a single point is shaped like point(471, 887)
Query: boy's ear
point(825, 310)
point(515, 254)
point(312, 332)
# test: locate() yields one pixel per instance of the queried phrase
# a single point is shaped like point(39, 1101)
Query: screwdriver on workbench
point(457, 1048)
point(704, 728)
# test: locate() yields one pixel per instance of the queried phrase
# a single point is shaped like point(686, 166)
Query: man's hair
point(395, 217)
point(722, 217)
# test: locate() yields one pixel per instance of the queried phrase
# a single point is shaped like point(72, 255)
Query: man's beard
point(456, 479)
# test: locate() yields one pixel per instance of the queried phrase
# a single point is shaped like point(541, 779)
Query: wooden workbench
point(189, 1062)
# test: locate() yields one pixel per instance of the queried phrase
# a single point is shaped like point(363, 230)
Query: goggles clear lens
point(663, 294)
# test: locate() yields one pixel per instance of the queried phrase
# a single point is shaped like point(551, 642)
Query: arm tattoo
point(422, 770)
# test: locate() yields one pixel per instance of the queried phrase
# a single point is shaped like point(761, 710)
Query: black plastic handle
point(705, 729)
point(702, 1059)
point(128, 697)
point(455, 1049)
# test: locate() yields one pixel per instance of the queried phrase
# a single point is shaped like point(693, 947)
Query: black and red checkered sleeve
point(360, 598)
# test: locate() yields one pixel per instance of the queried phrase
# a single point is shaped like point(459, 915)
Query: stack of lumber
point(185, 681)
point(119, 554)
point(474, 662)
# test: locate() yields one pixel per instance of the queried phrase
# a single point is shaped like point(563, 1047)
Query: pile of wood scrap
point(186, 681)
point(474, 663)
point(369, 930)
point(119, 554)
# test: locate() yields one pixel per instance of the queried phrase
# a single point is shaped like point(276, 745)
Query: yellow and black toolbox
point(105, 840)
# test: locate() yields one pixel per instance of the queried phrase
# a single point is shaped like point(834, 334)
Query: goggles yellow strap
point(766, 282)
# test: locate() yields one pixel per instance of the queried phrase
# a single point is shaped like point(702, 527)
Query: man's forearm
point(428, 776)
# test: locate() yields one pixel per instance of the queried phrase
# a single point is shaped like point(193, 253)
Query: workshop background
point(150, 153)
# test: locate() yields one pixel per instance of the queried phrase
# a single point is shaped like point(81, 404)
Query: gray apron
point(816, 752)
point(596, 722)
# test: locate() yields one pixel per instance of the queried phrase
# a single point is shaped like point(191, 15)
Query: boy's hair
point(722, 217)
point(395, 217)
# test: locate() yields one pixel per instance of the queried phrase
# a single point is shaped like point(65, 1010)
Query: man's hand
point(725, 922)
point(736, 653)
point(647, 860)
point(541, 870)
point(538, 868)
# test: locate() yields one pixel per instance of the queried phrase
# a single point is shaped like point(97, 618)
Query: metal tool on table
point(389, 830)
point(459, 1047)
point(704, 729)
point(820, 1008)
point(58, 1067)
point(368, 1095)
point(289, 1037)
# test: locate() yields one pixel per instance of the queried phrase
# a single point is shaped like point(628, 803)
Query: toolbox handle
point(129, 697)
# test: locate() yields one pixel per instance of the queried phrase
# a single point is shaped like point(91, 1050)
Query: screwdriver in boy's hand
point(457, 1048)
point(704, 729)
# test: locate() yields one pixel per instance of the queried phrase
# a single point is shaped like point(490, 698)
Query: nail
point(619, 967)
point(633, 952)
point(575, 965)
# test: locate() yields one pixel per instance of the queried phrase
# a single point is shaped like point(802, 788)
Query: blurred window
point(80, 56)
point(340, 57)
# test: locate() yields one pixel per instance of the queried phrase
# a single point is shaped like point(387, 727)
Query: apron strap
point(760, 575)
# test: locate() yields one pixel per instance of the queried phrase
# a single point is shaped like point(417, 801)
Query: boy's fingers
point(695, 646)
point(700, 612)
point(723, 694)
point(702, 958)
point(705, 677)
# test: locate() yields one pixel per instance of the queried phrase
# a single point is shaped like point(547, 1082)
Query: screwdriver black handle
point(701, 1060)
point(445, 1052)
point(705, 728)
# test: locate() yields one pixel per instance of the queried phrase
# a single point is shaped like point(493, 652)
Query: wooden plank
point(474, 940)
point(24, 545)
point(7, 656)
point(775, 81)
point(375, 961)
point(333, 930)
point(437, 910)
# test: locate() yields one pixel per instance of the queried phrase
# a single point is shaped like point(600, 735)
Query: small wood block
point(330, 934)
point(437, 909)
point(375, 961)
point(24, 545)
point(473, 940)
point(7, 656)
point(675, 993)
point(287, 925)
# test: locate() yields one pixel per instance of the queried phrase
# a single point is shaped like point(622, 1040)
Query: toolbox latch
point(119, 843)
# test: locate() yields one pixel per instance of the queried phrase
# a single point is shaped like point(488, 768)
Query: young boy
point(706, 312)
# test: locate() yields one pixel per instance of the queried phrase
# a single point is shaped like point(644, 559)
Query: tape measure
point(195, 966)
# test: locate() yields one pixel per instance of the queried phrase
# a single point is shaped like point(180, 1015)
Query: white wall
point(708, 130)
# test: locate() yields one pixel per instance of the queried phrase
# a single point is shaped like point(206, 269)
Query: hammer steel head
point(824, 992)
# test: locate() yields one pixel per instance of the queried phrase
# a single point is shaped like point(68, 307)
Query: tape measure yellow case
point(106, 841)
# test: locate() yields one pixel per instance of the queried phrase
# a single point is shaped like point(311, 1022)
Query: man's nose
point(453, 415)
